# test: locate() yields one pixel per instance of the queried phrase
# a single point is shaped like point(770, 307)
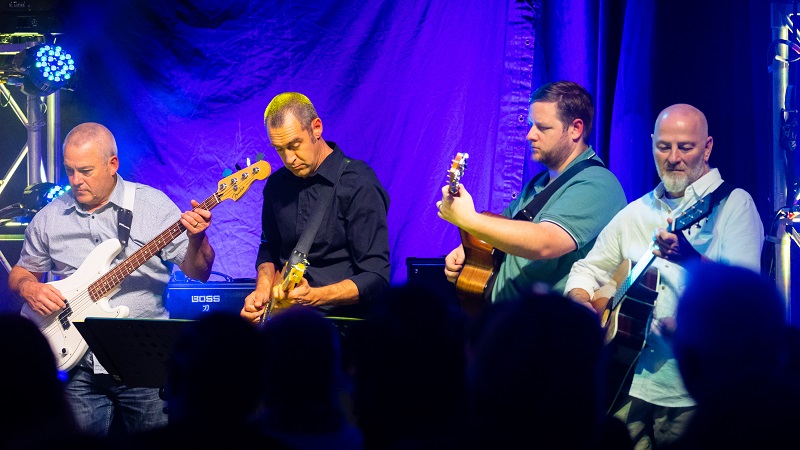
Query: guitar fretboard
point(114, 277)
point(636, 272)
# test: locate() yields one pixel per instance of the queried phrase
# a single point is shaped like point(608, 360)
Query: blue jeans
point(96, 399)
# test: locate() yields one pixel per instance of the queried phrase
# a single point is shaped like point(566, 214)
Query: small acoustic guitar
point(481, 260)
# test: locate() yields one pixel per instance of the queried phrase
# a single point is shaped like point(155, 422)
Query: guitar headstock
point(235, 185)
point(700, 209)
point(457, 171)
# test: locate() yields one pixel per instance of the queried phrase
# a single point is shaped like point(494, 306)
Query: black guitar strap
point(534, 206)
point(539, 200)
point(710, 201)
point(707, 204)
point(125, 213)
point(300, 252)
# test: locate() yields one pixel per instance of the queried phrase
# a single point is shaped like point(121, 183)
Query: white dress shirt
point(732, 234)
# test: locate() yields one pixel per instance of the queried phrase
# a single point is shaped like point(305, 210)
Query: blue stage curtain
point(605, 46)
point(406, 85)
point(401, 85)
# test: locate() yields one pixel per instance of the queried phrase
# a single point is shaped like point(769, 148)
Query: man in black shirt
point(349, 258)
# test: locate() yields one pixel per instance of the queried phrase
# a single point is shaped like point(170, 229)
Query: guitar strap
point(125, 214)
point(534, 206)
point(539, 200)
point(300, 252)
point(713, 199)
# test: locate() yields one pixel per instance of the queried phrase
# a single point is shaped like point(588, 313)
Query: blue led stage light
point(42, 69)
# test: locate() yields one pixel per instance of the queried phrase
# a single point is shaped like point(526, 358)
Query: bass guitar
point(481, 260)
point(292, 273)
point(88, 290)
point(627, 311)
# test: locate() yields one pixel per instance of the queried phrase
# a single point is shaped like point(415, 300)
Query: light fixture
point(41, 69)
point(35, 197)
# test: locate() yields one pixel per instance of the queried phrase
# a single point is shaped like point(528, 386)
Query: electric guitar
point(481, 260)
point(627, 311)
point(88, 290)
point(292, 274)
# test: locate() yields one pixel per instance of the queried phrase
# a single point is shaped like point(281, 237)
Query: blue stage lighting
point(42, 69)
point(36, 196)
point(49, 67)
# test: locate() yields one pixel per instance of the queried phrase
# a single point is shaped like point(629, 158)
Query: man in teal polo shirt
point(542, 250)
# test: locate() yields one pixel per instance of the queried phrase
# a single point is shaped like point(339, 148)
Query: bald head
point(683, 115)
point(92, 135)
point(681, 147)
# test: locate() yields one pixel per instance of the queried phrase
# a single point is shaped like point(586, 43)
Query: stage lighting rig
point(40, 69)
point(34, 198)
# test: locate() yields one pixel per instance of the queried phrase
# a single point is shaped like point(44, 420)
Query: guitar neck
point(636, 273)
point(114, 277)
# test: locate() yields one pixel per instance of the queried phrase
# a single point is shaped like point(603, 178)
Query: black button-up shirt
point(353, 240)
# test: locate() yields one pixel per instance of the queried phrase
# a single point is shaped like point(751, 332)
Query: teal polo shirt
point(582, 207)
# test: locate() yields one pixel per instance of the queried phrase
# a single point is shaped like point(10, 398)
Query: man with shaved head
point(61, 236)
point(658, 405)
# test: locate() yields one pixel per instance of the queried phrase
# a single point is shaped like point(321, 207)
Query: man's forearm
point(199, 259)
point(266, 276)
point(342, 293)
point(18, 278)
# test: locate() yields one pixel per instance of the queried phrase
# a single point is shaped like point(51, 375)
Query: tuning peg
point(259, 156)
point(248, 162)
point(238, 167)
point(227, 172)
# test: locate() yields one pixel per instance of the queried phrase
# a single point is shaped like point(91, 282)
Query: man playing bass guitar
point(543, 244)
point(60, 239)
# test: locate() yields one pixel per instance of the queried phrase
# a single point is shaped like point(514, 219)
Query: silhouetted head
point(409, 364)
point(730, 326)
point(29, 385)
point(214, 372)
point(302, 360)
point(536, 372)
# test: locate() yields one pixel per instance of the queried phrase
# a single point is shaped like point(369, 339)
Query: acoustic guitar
point(626, 307)
point(625, 316)
point(481, 260)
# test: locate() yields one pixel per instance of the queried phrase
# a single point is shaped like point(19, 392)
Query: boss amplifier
point(190, 300)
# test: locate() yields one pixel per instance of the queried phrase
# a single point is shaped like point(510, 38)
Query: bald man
point(61, 236)
point(658, 405)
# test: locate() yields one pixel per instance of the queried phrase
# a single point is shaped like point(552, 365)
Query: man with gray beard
point(658, 406)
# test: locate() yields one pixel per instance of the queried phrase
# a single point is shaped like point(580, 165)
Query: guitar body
point(289, 279)
point(66, 342)
point(481, 264)
point(88, 289)
point(626, 324)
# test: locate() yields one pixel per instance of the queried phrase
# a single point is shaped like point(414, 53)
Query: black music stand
point(134, 351)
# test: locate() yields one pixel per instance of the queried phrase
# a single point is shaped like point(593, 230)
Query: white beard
point(676, 182)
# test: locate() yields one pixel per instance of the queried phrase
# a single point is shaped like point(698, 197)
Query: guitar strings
point(78, 304)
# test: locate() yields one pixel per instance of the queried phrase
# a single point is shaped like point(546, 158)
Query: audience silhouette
point(535, 377)
point(409, 370)
point(527, 372)
point(304, 385)
point(32, 392)
point(732, 345)
point(213, 387)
